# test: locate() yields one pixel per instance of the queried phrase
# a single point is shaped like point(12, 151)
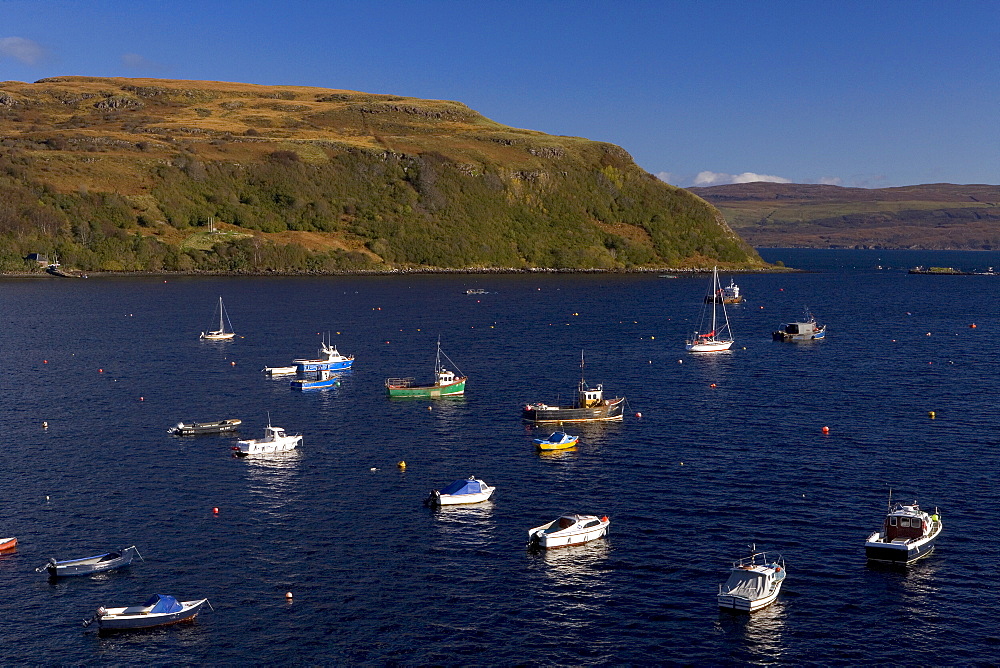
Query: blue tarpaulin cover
point(463, 487)
point(162, 603)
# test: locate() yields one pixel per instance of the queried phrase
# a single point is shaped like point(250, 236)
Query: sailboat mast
point(221, 329)
point(715, 294)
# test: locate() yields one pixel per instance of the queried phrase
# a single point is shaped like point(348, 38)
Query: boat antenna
point(890, 498)
point(583, 383)
point(269, 418)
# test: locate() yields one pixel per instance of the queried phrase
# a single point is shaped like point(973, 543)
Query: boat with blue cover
point(468, 490)
point(157, 610)
point(100, 563)
point(805, 330)
point(558, 440)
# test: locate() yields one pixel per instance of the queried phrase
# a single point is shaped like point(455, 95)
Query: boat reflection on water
point(908, 588)
point(575, 586)
point(760, 635)
point(466, 526)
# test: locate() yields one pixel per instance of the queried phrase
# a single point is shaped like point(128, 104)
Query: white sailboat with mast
point(220, 334)
point(720, 337)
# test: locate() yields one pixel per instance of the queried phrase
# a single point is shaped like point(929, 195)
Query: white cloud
point(666, 177)
point(830, 180)
point(707, 178)
point(24, 50)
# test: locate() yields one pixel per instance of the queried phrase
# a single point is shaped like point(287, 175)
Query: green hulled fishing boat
point(446, 383)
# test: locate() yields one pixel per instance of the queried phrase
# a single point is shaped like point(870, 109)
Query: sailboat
point(446, 383)
point(220, 334)
point(720, 337)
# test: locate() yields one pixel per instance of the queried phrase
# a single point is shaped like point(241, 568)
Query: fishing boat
point(727, 295)
point(7, 544)
point(158, 610)
point(320, 380)
point(469, 490)
point(274, 440)
point(567, 530)
point(328, 359)
point(217, 427)
point(590, 406)
point(220, 334)
point(446, 383)
point(805, 330)
point(100, 563)
point(558, 440)
point(907, 534)
point(753, 584)
point(279, 370)
point(720, 337)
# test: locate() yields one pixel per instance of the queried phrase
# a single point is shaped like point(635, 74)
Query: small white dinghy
point(567, 530)
point(470, 490)
point(158, 610)
point(275, 440)
point(753, 584)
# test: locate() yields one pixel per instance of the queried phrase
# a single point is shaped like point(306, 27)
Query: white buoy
point(288, 595)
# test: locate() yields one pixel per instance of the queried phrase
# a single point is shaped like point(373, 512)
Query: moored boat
point(8, 544)
point(217, 427)
point(220, 334)
point(469, 490)
point(720, 337)
point(158, 610)
point(568, 529)
point(727, 295)
point(753, 584)
point(907, 534)
point(446, 383)
point(274, 440)
point(328, 359)
point(590, 406)
point(90, 565)
point(558, 440)
point(321, 380)
point(805, 330)
point(279, 370)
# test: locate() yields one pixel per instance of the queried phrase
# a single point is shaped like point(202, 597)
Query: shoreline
point(402, 272)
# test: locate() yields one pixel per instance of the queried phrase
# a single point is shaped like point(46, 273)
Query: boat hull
point(428, 391)
point(611, 411)
point(899, 553)
point(566, 537)
point(195, 428)
point(303, 366)
point(7, 544)
point(543, 444)
point(709, 346)
point(304, 385)
point(119, 619)
point(215, 336)
point(461, 499)
point(285, 444)
point(744, 604)
point(92, 565)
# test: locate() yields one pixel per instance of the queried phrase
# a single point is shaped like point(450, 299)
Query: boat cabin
point(445, 377)
point(906, 523)
point(797, 328)
point(589, 397)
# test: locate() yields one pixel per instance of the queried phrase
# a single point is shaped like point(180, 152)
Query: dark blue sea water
point(377, 578)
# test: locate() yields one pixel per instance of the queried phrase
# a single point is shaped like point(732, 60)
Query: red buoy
point(826, 430)
point(215, 510)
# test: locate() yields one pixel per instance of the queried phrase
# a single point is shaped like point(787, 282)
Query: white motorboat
point(275, 440)
point(220, 334)
point(279, 370)
point(158, 610)
point(719, 337)
point(568, 529)
point(469, 490)
point(907, 534)
point(753, 584)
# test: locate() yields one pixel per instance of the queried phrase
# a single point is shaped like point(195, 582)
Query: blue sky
point(865, 94)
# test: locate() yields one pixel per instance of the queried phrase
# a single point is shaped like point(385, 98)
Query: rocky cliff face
point(126, 174)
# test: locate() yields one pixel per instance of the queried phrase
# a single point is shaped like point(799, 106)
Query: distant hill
point(931, 216)
point(156, 175)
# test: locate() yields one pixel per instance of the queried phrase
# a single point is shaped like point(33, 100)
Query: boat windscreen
point(463, 487)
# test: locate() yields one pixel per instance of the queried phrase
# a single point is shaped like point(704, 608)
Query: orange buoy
point(972, 326)
point(826, 430)
point(100, 371)
point(45, 361)
point(232, 363)
point(712, 385)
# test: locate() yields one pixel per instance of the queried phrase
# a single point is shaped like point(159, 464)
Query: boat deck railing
point(399, 382)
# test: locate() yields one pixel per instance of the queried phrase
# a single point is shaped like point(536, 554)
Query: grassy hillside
point(932, 216)
point(127, 174)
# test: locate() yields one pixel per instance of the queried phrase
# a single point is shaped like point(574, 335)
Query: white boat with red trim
point(569, 529)
point(907, 534)
point(719, 337)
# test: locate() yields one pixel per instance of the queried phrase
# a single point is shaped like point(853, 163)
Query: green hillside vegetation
point(126, 175)
point(932, 216)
